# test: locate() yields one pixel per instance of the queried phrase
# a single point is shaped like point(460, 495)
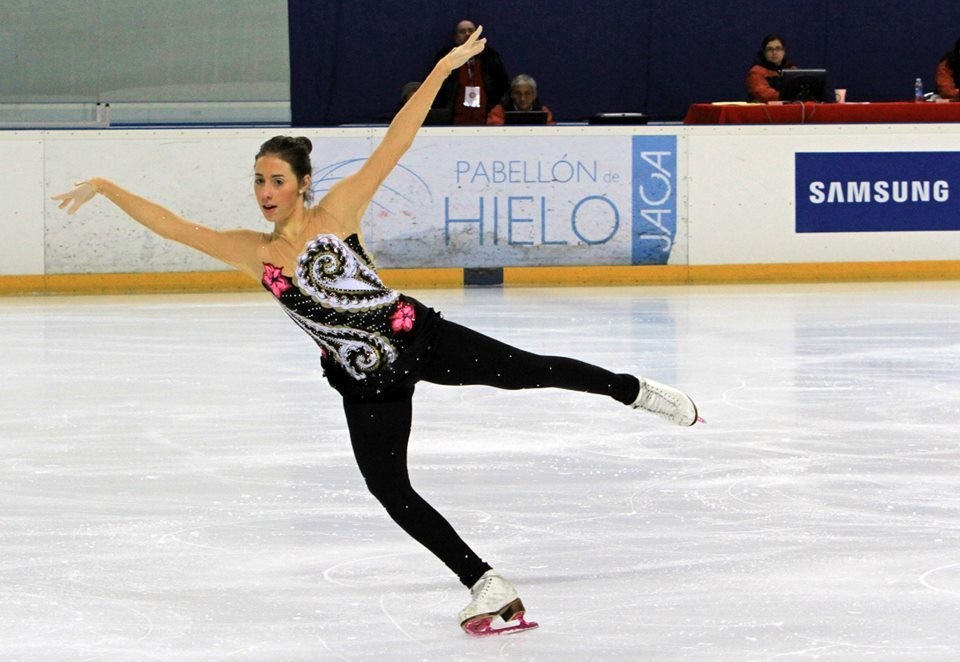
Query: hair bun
point(303, 140)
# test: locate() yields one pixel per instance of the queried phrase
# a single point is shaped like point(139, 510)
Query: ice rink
point(177, 483)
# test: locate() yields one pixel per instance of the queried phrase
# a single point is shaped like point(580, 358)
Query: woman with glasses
point(763, 79)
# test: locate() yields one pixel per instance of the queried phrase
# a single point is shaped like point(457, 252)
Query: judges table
point(822, 113)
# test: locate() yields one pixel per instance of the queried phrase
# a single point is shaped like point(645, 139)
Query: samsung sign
point(877, 191)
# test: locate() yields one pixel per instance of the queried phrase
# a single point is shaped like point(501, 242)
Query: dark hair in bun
point(294, 150)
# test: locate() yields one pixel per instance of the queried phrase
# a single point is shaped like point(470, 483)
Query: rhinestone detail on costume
point(340, 301)
point(358, 352)
point(331, 274)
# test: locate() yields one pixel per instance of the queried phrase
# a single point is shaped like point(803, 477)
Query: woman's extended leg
point(463, 356)
point(379, 432)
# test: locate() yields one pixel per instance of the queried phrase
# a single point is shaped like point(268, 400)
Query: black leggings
point(380, 427)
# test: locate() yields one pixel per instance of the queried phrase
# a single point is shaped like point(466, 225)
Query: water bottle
point(918, 90)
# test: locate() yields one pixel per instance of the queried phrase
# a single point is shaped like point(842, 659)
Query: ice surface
point(177, 483)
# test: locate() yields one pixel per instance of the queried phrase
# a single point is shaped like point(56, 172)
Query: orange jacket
point(946, 84)
point(758, 83)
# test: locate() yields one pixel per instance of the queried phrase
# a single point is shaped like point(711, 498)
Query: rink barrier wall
point(512, 205)
point(411, 279)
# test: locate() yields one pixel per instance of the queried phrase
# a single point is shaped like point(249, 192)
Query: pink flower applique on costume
point(274, 279)
point(403, 317)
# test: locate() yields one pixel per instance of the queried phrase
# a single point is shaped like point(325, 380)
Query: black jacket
point(495, 81)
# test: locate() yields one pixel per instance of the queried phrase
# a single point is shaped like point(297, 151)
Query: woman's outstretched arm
point(238, 248)
point(348, 200)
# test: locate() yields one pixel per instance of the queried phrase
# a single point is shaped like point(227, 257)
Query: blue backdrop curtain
point(350, 59)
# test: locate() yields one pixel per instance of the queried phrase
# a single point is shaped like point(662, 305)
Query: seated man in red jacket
point(523, 96)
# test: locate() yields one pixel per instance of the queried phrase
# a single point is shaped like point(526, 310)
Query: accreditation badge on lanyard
point(471, 93)
point(471, 96)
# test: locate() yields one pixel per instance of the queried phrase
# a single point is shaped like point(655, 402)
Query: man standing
point(472, 90)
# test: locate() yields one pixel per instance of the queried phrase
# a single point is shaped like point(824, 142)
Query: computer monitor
point(525, 117)
point(802, 84)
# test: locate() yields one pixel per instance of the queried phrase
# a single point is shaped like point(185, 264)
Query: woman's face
point(774, 52)
point(277, 189)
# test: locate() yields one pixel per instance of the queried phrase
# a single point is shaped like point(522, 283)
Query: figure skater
point(376, 343)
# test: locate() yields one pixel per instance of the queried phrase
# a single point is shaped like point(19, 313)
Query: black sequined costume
point(372, 338)
point(377, 343)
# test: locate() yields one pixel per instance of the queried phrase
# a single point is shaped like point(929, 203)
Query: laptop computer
point(618, 118)
point(525, 117)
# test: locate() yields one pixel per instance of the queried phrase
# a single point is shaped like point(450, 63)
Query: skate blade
point(507, 621)
point(482, 626)
point(697, 418)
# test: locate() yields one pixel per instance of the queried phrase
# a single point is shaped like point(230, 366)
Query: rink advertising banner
point(654, 198)
point(477, 198)
point(532, 200)
point(877, 191)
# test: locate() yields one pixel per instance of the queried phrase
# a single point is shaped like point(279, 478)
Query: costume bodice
point(365, 330)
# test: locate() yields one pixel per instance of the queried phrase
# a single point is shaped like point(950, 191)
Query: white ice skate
point(666, 402)
point(494, 609)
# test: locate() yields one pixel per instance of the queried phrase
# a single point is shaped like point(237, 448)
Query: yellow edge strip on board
point(232, 281)
point(196, 281)
point(733, 273)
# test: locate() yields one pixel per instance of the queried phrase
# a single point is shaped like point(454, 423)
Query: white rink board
point(467, 198)
point(741, 195)
point(21, 189)
point(733, 193)
point(471, 198)
point(206, 176)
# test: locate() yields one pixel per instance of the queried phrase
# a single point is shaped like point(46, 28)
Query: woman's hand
point(468, 49)
point(79, 196)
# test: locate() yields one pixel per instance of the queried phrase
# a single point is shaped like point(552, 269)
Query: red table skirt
point(823, 113)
